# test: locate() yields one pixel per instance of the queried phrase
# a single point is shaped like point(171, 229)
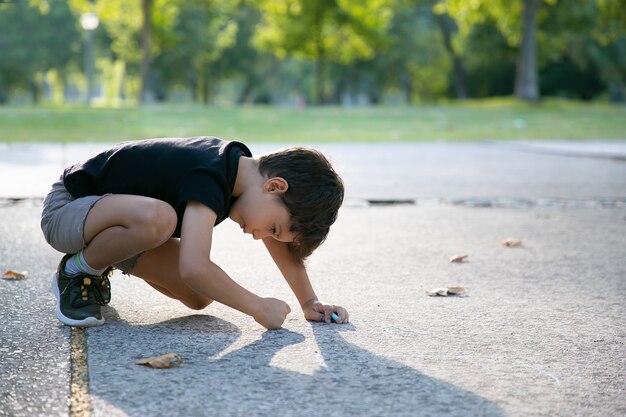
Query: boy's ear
point(275, 185)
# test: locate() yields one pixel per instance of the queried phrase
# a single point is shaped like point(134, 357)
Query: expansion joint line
point(80, 401)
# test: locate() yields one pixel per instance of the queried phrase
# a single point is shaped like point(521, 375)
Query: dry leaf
point(511, 243)
point(456, 290)
point(438, 291)
point(444, 292)
point(164, 361)
point(459, 258)
point(15, 275)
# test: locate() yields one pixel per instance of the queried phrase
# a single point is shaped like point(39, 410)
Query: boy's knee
point(158, 221)
point(197, 303)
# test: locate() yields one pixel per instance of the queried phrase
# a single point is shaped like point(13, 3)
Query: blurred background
point(395, 69)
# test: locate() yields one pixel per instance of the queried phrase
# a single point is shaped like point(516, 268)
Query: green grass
point(493, 119)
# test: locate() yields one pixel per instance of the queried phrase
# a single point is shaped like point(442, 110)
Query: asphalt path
point(541, 330)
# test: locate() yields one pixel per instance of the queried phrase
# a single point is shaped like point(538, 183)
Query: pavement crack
point(549, 148)
point(80, 401)
point(600, 202)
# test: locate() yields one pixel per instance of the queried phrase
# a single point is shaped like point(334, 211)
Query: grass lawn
point(492, 119)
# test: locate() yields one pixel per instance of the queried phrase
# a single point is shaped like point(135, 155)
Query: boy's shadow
point(353, 381)
point(361, 383)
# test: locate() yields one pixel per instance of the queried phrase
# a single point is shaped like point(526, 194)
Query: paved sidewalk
point(541, 332)
point(488, 169)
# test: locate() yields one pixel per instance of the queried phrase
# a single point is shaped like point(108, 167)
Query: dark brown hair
point(313, 197)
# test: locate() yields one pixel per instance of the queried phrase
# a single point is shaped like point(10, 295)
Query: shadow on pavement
point(243, 382)
point(365, 384)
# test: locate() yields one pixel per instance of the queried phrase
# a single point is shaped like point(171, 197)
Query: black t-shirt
point(174, 170)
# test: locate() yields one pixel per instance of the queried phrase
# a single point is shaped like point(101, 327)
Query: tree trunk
point(206, 91)
point(146, 34)
point(617, 92)
point(320, 57)
point(246, 91)
point(35, 90)
point(341, 88)
point(407, 86)
point(3, 94)
point(527, 77)
point(192, 82)
point(319, 77)
point(458, 70)
point(89, 66)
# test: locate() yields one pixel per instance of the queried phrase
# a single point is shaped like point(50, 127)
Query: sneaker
point(80, 296)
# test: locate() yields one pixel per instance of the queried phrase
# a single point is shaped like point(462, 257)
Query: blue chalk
point(335, 317)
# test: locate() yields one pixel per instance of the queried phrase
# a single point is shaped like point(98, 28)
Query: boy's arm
point(296, 276)
point(208, 279)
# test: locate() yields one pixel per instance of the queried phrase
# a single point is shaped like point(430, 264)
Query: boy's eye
point(274, 230)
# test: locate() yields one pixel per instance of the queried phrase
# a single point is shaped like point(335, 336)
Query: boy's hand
point(317, 311)
point(272, 313)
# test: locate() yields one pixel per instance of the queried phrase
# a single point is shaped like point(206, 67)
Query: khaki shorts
point(63, 220)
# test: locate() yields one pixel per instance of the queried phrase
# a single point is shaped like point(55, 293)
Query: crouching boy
point(149, 208)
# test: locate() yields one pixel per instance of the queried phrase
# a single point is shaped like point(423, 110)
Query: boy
point(149, 207)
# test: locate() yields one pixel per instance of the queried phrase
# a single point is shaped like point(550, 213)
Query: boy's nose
point(256, 235)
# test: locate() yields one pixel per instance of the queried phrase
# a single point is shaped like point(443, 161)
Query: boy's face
point(261, 212)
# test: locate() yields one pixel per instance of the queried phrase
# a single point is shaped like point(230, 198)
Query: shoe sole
point(88, 322)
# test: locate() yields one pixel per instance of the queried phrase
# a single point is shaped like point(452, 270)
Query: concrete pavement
point(541, 331)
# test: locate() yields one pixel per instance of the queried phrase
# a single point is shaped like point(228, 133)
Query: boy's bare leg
point(159, 268)
point(119, 227)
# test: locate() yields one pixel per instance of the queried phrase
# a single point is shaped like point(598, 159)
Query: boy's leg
point(115, 228)
point(119, 227)
point(159, 268)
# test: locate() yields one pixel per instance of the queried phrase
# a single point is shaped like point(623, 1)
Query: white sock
point(77, 264)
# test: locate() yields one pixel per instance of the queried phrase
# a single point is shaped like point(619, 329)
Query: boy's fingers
point(343, 315)
point(328, 310)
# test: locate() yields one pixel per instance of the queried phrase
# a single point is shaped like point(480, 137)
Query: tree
point(254, 68)
point(201, 32)
point(340, 31)
point(35, 38)
point(130, 25)
point(610, 33)
point(416, 59)
point(592, 37)
point(422, 33)
point(448, 28)
point(517, 20)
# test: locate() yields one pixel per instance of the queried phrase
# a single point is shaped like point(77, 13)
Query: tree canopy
point(323, 51)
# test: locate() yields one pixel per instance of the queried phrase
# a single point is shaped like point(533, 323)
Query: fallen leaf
point(456, 290)
point(511, 243)
point(15, 275)
point(444, 292)
point(459, 258)
point(164, 361)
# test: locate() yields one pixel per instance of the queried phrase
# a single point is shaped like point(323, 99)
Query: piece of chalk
point(335, 317)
